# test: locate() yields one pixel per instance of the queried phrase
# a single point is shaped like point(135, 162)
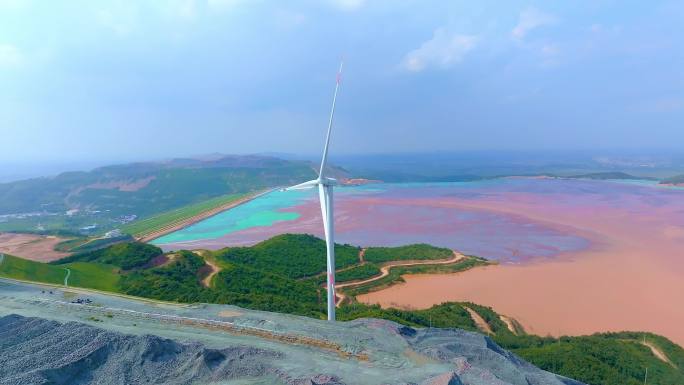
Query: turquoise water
point(263, 211)
point(386, 215)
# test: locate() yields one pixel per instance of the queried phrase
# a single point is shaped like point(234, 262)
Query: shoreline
point(627, 279)
point(175, 226)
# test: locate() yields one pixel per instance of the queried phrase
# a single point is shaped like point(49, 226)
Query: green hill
point(109, 197)
point(283, 274)
point(607, 175)
point(291, 255)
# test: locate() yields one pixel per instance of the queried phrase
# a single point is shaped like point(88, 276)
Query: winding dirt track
point(658, 352)
point(214, 270)
point(385, 270)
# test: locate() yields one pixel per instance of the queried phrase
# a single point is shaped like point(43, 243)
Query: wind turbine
point(325, 195)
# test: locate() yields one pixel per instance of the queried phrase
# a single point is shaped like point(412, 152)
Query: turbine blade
point(303, 186)
point(330, 122)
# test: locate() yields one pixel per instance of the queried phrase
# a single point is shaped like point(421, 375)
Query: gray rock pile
point(477, 360)
point(38, 351)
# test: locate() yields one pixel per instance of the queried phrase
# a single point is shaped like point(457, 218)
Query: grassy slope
point(606, 359)
point(88, 275)
point(98, 276)
point(124, 255)
point(23, 269)
point(156, 222)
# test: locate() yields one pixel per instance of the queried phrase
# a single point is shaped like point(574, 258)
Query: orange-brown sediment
point(631, 278)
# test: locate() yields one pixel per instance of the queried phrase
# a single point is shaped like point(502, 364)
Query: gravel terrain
point(51, 335)
point(38, 351)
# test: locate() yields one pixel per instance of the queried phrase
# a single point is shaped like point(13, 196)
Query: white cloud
point(10, 56)
point(530, 19)
point(348, 5)
point(442, 51)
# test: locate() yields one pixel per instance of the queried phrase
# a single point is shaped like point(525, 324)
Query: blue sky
point(122, 80)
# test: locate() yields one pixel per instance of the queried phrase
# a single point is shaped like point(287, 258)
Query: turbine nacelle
point(312, 183)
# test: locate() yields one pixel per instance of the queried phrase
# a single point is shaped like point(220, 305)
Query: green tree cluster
point(419, 251)
point(290, 255)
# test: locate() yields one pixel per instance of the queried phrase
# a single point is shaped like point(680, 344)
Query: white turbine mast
point(325, 194)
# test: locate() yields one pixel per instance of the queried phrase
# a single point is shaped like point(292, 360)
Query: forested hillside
point(286, 274)
point(108, 197)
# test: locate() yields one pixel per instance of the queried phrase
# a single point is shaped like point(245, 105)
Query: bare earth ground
point(657, 352)
point(30, 246)
point(631, 278)
point(509, 323)
point(479, 321)
point(214, 269)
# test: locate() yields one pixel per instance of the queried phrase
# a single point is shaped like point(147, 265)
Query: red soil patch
point(31, 246)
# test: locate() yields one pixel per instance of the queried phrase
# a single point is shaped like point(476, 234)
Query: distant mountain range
point(108, 196)
point(675, 180)
point(472, 165)
point(92, 202)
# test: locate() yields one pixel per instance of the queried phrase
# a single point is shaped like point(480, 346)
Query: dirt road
point(385, 270)
point(206, 282)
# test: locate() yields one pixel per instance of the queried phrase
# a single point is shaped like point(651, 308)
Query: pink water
point(397, 214)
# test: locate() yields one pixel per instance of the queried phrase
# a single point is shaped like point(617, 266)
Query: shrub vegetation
point(290, 255)
point(283, 274)
point(419, 251)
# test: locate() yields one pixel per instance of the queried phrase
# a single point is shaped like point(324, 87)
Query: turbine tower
point(325, 194)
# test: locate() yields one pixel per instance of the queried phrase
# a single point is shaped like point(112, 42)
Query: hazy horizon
point(117, 81)
point(663, 159)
